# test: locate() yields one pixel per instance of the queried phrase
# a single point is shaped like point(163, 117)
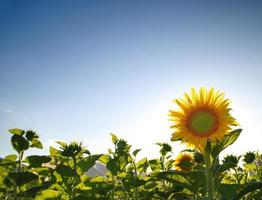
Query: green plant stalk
point(257, 170)
point(209, 175)
point(20, 157)
point(136, 177)
point(75, 174)
point(162, 159)
point(237, 175)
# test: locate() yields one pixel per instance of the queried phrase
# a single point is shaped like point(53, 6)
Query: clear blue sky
point(78, 70)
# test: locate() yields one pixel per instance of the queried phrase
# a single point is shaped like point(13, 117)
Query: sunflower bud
point(249, 157)
point(198, 157)
point(231, 159)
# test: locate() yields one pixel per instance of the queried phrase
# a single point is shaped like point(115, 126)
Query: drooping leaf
point(19, 143)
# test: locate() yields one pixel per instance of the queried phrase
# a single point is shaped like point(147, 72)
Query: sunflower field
point(202, 121)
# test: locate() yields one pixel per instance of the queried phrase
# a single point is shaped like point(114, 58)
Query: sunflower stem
point(209, 176)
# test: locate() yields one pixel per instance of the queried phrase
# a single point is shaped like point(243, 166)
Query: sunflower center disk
point(202, 123)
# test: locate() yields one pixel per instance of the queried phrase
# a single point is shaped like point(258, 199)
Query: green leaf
point(228, 191)
point(19, 143)
point(155, 165)
point(3, 173)
point(37, 161)
point(136, 152)
point(185, 164)
point(224, 167)
point(247, 188)
point(48, 195)
point(98, 179)
point(32, 191)
point(229, 139)
point(114, 138)
point(142, 165)
point(11, 157)
point(37, 144)
point(21, 178)
point(17, 131)
point(192, 180)
point(61, 143)
point(104, 158)
point(53, 151)
point(112, 166)
point(88, 162)
point(64, 170)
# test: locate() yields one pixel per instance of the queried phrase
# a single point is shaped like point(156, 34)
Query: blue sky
point(79, 70)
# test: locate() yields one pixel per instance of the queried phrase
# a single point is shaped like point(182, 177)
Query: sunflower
point(200, 117)
point(184, 162)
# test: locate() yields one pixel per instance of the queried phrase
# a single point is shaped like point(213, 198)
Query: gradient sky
point(79, 70)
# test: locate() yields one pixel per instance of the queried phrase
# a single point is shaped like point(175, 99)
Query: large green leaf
point(224, 167)
point(11, 157)
point(3, 173)
point(112, 166)
point(64, 170)
point(37, 161)
point(88, 162)
point(48, 195)
point(247, 188)
point(191, 180)
point(19, 143)
point(155, 165)
point(142, 165)
point(21, 178)
point(229, 139)
point(228, 191)
point(17, 131)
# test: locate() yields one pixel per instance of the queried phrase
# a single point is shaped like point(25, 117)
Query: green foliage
point(64, 173)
